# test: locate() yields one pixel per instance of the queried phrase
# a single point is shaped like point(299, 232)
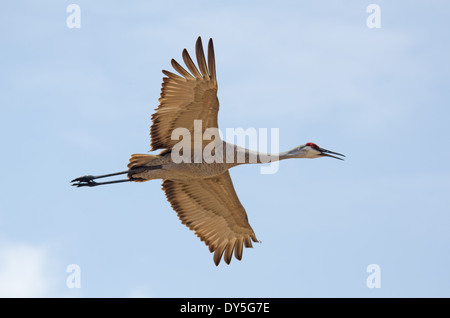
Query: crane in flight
point(200, 191)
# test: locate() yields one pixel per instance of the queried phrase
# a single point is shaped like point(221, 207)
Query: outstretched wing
point(191, 96)
point(211, 208)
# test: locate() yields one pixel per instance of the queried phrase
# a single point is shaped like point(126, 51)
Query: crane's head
point(311, 150)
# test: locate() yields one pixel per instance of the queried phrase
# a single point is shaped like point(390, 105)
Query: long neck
point(279, 156)
point(246, 156)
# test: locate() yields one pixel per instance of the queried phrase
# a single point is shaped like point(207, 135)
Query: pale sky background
point(79, 101)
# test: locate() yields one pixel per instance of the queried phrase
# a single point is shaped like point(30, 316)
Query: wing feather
point(201, 59)
point(211, 61)
point(190, 65)
point(186, 97)
point(211, 208)
point(180, 69)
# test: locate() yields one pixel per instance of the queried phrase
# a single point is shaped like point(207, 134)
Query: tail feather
point(139, 160)
point(140, 165)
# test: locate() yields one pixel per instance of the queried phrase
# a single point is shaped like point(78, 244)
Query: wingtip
point(254, 239)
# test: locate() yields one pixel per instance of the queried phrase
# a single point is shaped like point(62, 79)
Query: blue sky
point(79, 101)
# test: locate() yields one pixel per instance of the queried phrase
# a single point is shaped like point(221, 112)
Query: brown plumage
point(186, 98)
point(211, 208)
point(208, 206)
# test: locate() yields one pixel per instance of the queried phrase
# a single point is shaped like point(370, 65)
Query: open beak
point(329, 153)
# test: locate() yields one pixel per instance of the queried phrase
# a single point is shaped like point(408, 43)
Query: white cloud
point(25, 271)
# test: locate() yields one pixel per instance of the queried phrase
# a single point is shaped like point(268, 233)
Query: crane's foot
point(85, 181)
point(88, 181)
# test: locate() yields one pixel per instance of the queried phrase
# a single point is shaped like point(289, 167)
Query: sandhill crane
point(201, 193)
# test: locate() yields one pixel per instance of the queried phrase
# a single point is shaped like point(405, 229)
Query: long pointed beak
point(328, 153)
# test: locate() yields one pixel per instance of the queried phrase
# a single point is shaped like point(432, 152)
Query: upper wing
point(211, 208)
point(186, 98)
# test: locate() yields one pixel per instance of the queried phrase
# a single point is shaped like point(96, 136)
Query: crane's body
point(199, 189)
point(187, 169)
